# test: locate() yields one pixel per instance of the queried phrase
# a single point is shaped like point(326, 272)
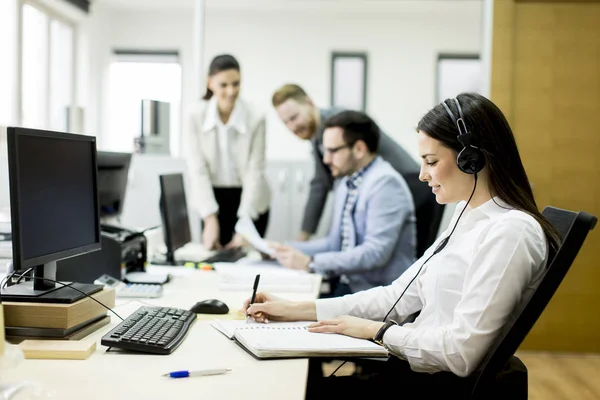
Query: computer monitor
point(54, 209)
point(173, 211)
point(113, 170)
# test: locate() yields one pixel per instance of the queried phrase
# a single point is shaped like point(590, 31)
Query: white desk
point(114, 375)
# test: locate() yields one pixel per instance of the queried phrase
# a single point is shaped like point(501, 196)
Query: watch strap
point(381, 332)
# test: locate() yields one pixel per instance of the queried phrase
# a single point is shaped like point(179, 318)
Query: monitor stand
point(41, 290)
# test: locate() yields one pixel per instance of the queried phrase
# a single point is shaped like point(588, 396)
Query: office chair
point(501, 375)
point(427, 211)
point(574, 228)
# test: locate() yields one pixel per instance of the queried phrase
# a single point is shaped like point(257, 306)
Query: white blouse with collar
point(465, 293)
point(226, 155)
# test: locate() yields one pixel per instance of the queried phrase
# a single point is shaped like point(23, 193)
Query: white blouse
point(226, 155)
point(226, 175)
point(465, 293)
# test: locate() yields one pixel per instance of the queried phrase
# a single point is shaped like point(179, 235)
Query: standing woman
point(225, 153)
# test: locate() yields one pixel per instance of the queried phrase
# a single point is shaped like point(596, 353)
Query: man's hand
point(303, 236)
point(291, 258)
point(349, 326)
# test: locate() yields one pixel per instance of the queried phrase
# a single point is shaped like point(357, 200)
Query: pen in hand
point(205, 372)
point(256, 280)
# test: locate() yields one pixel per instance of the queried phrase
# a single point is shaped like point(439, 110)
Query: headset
point(470, 159)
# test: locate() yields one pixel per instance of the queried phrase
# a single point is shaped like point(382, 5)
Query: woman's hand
point(211, 232)
point(349, 326)
point(267, 307)
point(237, 241)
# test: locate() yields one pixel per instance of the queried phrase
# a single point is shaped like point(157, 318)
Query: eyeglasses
point(333, 150)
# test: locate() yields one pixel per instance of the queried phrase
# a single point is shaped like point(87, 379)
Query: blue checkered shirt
point(353, 182)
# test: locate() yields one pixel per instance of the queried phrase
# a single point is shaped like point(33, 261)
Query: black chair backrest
point(427, 211)
point(574, 227)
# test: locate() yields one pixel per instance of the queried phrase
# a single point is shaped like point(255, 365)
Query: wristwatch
point(311, 265)
point(379, 336)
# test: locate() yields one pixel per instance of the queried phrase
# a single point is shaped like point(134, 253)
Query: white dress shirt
point(465, 293)
point(226, 155)
point(226, 175)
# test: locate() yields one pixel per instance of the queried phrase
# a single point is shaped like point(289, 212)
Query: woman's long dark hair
point(223, 62)
point(491, 132)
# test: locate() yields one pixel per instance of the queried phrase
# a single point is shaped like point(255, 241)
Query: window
point(34, 78)
point(457, 73)
point(47, 68)
point(8, 40)
point(61, 73)
point(349, 81)
point(136, 76)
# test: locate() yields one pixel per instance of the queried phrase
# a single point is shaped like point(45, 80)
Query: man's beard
point(311, 126)
point(351, 167)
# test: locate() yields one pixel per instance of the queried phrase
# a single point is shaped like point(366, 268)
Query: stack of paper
point(273, 278)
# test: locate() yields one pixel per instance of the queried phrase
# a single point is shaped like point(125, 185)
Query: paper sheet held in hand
point(246, 228)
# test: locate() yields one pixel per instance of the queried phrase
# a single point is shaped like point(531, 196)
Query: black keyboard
point(158, 330)
point(226, 255)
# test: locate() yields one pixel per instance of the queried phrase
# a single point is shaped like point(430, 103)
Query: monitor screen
point(113, 170)
point(176, 225)
point(54, 202)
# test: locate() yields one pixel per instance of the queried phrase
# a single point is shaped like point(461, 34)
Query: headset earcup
point(470, 160)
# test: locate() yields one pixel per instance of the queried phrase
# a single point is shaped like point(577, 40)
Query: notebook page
point(227, 327)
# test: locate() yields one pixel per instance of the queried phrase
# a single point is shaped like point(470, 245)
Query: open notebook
point(293, 340)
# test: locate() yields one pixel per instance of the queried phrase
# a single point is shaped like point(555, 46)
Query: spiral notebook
point(293, 340)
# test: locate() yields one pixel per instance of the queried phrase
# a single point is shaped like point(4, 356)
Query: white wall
point(283, 44)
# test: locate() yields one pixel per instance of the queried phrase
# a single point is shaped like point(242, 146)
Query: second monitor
point(113, 170)
point(176, 224)
point(173, 211)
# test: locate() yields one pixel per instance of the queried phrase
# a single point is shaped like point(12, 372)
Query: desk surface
point(115, 375)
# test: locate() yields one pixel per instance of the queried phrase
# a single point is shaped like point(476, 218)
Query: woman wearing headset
point(466, 285)
point(225, 153)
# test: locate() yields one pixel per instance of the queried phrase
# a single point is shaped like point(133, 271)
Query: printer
point(123, 251)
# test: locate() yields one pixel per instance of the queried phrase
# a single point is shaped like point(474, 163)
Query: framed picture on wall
point(457, 73)
point(349, 80)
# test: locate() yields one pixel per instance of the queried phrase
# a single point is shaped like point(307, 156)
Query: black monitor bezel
point(164, 212)
point(13, 134)
point(123, 160)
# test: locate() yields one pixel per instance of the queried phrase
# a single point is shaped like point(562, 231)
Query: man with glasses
point(373, 236)
point(305, 120)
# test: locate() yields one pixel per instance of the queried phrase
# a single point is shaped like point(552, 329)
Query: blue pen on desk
point(189, 374)
point(256, 280)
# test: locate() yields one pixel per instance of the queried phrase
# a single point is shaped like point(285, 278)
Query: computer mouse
point(210, 306)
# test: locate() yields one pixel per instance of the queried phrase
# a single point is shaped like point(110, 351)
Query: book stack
point(57, 321)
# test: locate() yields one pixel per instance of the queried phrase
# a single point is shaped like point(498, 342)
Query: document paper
point(246, 228)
